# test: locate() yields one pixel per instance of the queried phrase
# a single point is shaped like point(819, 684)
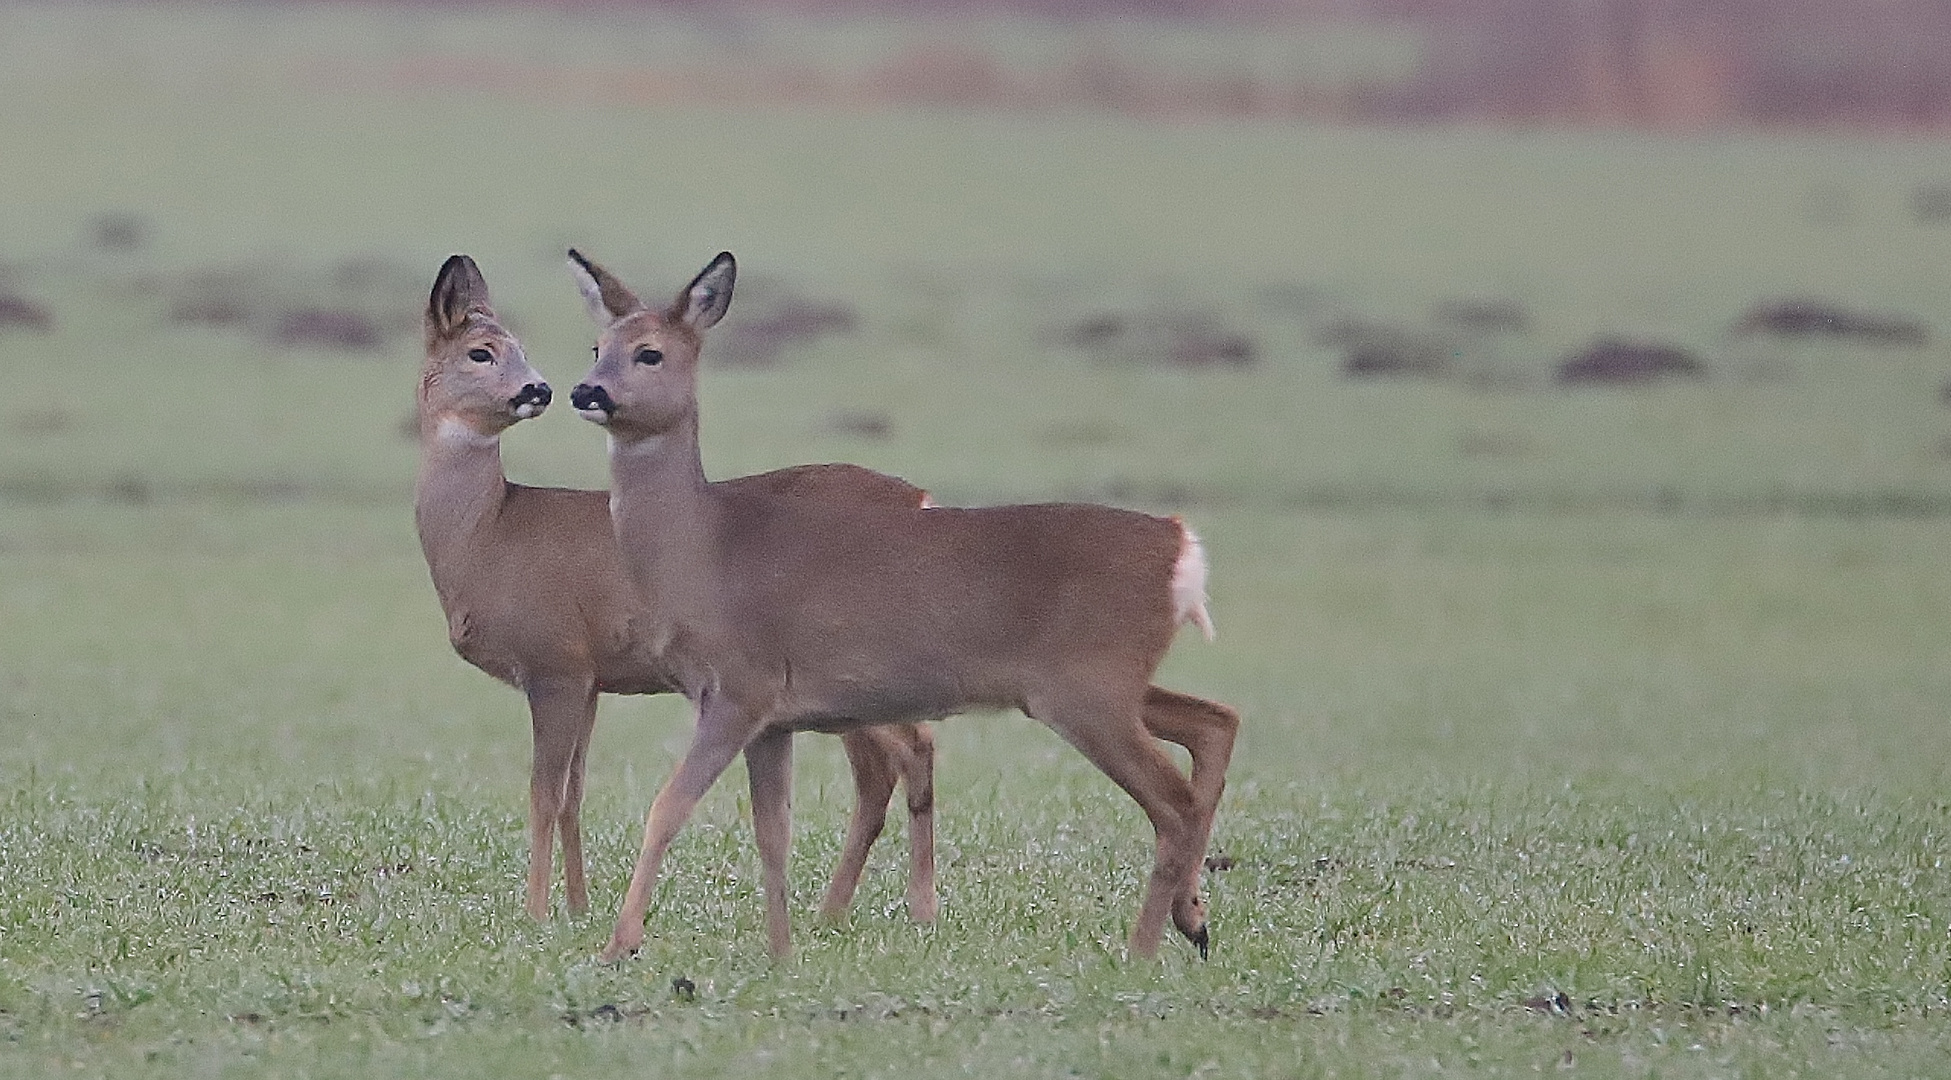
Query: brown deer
point(781, 615)
point(536, 594)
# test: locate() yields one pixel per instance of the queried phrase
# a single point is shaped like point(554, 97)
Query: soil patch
point(1380, 350)
point(20, 313)
point(1804, 317)
point(1619, 361)
point(763, 338)
point(1185, 339)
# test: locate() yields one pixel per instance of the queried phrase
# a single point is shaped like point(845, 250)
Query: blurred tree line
point(1642, 63)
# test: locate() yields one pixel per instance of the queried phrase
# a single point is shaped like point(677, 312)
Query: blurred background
point(1560, 384)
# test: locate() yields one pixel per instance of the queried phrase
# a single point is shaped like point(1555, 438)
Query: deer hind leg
point(1114, 738)
point(871, 753)
point(917, 762)
point(720, 734)
point(769, 768)
point(569, 820)
point(559, 709)
point(1206, 729)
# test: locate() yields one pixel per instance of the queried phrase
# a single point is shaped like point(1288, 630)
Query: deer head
point(645, 380)
point(476, 379)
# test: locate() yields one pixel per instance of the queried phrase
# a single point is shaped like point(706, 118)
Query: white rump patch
point(927, 501)
point(1189, 583)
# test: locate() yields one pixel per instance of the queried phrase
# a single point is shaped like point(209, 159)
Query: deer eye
point(648, 356)
point(481, 356)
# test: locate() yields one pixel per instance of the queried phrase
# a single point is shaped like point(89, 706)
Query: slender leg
point(870, 751)
point(918, 783)
point(1206, 729)
point(558, 710)
point(769, 766)
point(569, 821)
point(1113, 737)
point(721, 733)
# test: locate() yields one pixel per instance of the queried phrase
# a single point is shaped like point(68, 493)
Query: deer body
point(536, 595)
point(781, 615)
point(527, 595)
point(869, 615)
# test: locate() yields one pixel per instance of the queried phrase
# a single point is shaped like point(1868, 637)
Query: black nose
point(586, 397)
point(537, 394)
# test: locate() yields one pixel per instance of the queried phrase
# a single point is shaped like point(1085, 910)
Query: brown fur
point(781, 615)
point(536, 595)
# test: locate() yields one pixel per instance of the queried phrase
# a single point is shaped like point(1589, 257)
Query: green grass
point(1642, 706)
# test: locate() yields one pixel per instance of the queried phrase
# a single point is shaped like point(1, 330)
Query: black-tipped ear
point(458, 289)
point(607, 297)
point(706, 299)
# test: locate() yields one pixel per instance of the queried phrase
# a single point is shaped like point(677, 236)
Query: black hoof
point(1203, 940)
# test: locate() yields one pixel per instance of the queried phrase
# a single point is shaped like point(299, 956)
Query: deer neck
point(661, 508)
point(461, 488)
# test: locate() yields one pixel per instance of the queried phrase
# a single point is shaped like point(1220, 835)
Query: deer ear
point(458, 289)
point(705, 300)
point(608, 298)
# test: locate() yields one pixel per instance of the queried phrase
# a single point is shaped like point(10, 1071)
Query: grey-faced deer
point(780, 615)
point(536, 594)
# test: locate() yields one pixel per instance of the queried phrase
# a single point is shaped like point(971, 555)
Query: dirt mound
point(861, 424)
point(118, 232)
point(1931, 203)
point(1378, 358)
point(329, 328)
point(1803, 317)
point(20, 313)
point(761, 339)
point(1617, 361)
point(357, 305)
point(1191, 339)
point(1483, 315)
point(1372, 349)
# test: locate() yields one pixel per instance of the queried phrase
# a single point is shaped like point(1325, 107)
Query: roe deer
point(782, 615)
point(536, 595)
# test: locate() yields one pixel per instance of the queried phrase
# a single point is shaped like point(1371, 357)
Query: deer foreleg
point(717, 740)
point(569, 820)
point(559, 711)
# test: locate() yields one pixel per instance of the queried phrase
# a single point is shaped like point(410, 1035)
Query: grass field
point(1596, 729)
